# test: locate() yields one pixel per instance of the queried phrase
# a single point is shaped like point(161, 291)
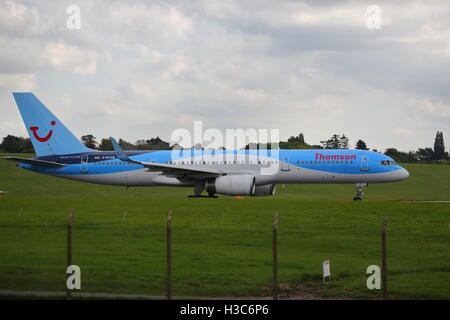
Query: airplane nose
point(403, 174)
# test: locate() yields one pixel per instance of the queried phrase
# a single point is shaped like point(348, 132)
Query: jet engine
point(232, 185)
point(264, 190)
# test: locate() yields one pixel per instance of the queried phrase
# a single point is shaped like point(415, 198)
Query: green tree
point(89, 141)
point(298, 139)
point(412, 157)
point(13, 144)
point(152, 144)
point(126, 145)
point(105, 145)
point(426, 154)
point(157, 144)
point(293, 145)
point(141, 145)
point(335, 142)
point(27, 145)
point(439, 148)
point(361, 145)
point(396, 155)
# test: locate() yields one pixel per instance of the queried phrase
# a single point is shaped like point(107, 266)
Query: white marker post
point(326, 271)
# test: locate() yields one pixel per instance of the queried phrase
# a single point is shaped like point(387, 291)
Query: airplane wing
point(170, 170)
point(35, 162)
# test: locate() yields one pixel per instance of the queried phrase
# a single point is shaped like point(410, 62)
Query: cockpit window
point(388, 163)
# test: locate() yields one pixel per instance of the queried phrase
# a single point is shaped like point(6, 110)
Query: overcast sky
point(138, 69)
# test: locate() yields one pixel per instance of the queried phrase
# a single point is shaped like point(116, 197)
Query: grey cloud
point(138, 69)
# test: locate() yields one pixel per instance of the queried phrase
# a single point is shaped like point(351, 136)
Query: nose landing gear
point(359, 190)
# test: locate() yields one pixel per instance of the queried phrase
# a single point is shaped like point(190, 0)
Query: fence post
point(275, 257)
point(69, 248)
point(169, 256)
point(384, 258)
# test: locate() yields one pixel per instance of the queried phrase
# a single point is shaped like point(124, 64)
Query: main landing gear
point(198, 189)
point(359, 191)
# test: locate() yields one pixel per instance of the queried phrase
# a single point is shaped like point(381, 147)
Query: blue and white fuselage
point(232, 172)
point(294, 166)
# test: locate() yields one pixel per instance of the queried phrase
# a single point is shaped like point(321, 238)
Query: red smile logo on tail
point(44, 139)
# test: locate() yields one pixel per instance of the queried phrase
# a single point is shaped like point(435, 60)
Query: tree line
point(105, 144)
point(437, 154)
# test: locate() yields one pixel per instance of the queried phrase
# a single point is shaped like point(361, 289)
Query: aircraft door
point(285, 163)
point(84, 165)
point(365, 163)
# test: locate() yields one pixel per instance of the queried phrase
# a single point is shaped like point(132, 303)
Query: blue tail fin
point(48, 135)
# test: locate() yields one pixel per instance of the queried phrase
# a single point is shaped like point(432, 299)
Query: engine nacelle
point(264, 190)
point(232, 185)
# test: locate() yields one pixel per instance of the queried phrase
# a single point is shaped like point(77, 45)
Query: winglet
point(118, 149)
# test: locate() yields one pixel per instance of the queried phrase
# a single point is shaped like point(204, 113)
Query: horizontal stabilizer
point(35, 162)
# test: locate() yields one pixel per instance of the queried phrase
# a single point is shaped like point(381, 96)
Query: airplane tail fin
point(47, 133)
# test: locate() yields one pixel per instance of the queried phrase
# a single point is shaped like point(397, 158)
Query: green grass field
point(222, 247)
